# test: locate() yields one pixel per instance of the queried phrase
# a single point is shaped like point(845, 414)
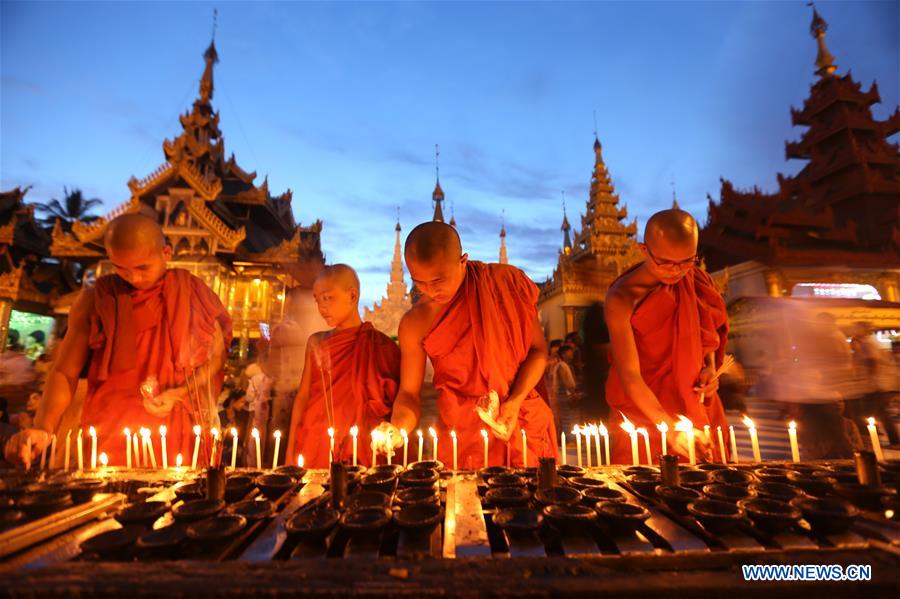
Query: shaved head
point(433, 242)
point(131, 232)
point(341, 274)
point(673, 227)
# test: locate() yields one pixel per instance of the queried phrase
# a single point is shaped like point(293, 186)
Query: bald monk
point(350, 376)
point(141, 324)
point(668, 327)
point(478, 324)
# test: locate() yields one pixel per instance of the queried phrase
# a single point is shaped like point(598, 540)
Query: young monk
point(478, 324)
point(349, 378)
point(141, 324)
point(668, 327)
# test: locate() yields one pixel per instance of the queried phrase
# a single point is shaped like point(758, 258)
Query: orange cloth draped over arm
point(365, 375)
point(477, 344)
point(163, 331)
point(675, 326)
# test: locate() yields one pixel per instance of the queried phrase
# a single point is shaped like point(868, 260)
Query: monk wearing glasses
point(668, 326)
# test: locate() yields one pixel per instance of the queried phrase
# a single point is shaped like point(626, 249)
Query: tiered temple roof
point(841, 208)
point(386, 314)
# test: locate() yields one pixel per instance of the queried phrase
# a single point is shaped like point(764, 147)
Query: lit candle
point(792, 434)
point(605, 434)
point(255, 434)
point(754, 440)
point(721, 444)
point(876, 443)
point(375, 435)
point(646, 435)
point(405, 446)
point(686, 426)
point(93, 433)
point(330, 444)
point(389, 445)
point(563, 458)
point(663, 428)
point(215, 446)
point(524, 450)
point(632, 432)
point(596, 434)
point(127, 447)
point(68, 445)
point(53, 451)
point(300, 460)
point(178, 460)
point(277, 448)
point(150, 450)
point(79, 444)
point(419, 433)
point(708, 437)
point(137, 452)
point(234, 447)
point(734, 451)
point(165, 451)
point(576, 430)
point(104, 459)
point(145, 460)
point(484, 437)
point(434, 443)
point(453, 437)
point(44, 459)
point(587, 445)
point(197, 431)
point(354, 430)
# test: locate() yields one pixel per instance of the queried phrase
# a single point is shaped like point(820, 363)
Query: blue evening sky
point(343, 103)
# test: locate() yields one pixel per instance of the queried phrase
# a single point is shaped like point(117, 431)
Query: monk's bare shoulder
point(82, 308)
point(624, 294)
point(417, 320)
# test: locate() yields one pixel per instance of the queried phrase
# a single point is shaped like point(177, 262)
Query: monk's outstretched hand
point(707, 381)
point(383, 431)
point(509, 418)
point(161, 405)
point(26, 446)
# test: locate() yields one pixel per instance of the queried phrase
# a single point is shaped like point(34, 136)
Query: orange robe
point(365, 374)
point(675, 326)
point(477, 344)
point(163, 331)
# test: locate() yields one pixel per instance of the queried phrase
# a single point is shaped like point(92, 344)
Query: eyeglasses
point(671, 264)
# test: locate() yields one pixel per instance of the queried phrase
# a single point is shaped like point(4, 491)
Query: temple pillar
point(569, 311)
point(887, 288)
point(5, 312)
point(773, 283)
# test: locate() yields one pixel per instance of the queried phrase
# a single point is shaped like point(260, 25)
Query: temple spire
point(675, 205)
point(211, 57)
point(437, 196)
point(824, 60)
point(452, 215)
point(566, 227)
point(504, 258)
point(397, 262)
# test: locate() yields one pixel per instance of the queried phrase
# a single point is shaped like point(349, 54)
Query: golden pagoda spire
point(504, 258)
point(825, 66)
point(437, 196)
point(566, 227)
point(211, 57)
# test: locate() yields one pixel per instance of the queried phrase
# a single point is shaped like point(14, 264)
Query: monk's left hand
point(161, 405)
point(707, 382)
point(396, 438)
point(508, 417)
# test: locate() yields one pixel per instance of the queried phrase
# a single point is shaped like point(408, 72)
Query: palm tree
point(74, 207)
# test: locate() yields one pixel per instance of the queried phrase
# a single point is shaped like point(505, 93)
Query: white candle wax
point(453, 437)
point(876, 443)
point(646, 435)
point(605, 434)
point(79, 444)
point(93, 433)
point(234, 447)
point(213, 451)
point(721, 444)
point(587, 445)
point(563, 458)
point(330, 444)
point(524, 450)
point(484, 437)
point(137, 452)
point(127, 433)
point(354, 431)
point(405, 446)
point(419, 433)
point(577, 432)
point(434, 443)
point(374, 435)
point(150, 449)
point(663, 428)
point(53, 452)
point(165, 450)
point(68, 445)
point(255, 434)
point(792, 435)
point(389, 446)
point(596, 434)
point(277, 448)
point(734, 450)
point(197, 431)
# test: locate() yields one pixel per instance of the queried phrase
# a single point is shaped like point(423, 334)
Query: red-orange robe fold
point(477, 344)
point(365, 375)
point(163, 331)
point(675, 326)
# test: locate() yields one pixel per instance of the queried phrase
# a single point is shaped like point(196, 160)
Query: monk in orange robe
point(154, 341)
point(350, 376)
point(668, 326)
point(478, 324)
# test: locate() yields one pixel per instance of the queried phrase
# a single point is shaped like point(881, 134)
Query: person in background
point(573, 339)
point(876, 371)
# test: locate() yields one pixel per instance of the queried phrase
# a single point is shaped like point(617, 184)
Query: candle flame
point(145, 432)
point(127, 432)
point(484, 433)
point(453, 434)
point(576, 430)
point(163, 430)
point(603, 430)
point(104, 460)
point(643, 432)
point(354, 430)
point(871, 421)
point(197, 429)
point(233, 432)
point(432, 432)
point(215, 433)
point(277, 434)
point(178, 461)
point(403, 434)
point(748, 422)
point(683, 425)
point(255, 433)
point(626, 425)
point(300, 460)
point(331, 432)
point(419, 432)
point(792, 425)
point(662, 427)
point(92, 431)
